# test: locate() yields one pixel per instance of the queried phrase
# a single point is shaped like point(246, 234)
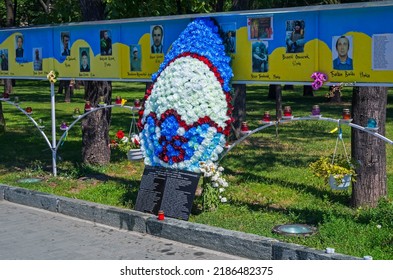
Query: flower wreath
point(187, 112)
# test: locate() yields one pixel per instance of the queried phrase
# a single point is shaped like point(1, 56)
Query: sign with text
point(170, 190)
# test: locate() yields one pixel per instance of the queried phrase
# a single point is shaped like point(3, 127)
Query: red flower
point(120, 134)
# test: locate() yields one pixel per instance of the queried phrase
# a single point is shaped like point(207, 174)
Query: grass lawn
point(270, 182)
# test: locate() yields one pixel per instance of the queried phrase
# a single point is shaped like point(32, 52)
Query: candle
point(346, 114)
point(29, 110)
point(371, 123)
point(161, 215)
point(87, 106)
point(137, 103)
point(244, 127)
point(287, 111)
point(118, 100)
point(266, 116)
point(315, 110)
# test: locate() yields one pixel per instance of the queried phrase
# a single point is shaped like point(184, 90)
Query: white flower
point(379, 226)
point(223, 199)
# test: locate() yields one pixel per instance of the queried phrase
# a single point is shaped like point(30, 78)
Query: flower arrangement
point(52, 76)
point(319, 79)
point(324, 168)
point(123, 143)
point(213, 185)
point(187, 112)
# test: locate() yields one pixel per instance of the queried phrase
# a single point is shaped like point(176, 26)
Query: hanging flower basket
point(135, 154)
point(345, 182)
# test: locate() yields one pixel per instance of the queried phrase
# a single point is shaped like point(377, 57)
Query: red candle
point(29, 110)
point(244, 127)
point(266, 117)
point(346, 114)
point(287, 111)
point(161, 215)
point(87, 106)
point(118, 100)
point(137, 103)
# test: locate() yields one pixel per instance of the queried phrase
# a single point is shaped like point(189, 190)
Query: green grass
point(270, 182)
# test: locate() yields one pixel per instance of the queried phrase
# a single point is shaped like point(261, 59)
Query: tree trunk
point(11, 10)
point(239, 110)
point(369, 151)
point(239, 99)
point(2, 120)
point(307, 91)
point(95, 127)
point(278, 101)
point(68, 91)
point(272, 92)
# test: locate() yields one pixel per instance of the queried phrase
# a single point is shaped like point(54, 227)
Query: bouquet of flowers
point(123, 143)
point(52, 76)
point(213, 185)
point(187, 111)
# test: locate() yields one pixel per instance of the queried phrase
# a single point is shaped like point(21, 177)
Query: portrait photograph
point(19, 50)
point(342, 49)
point(260, 56)
point(229, 30)
point(65, 43)
point(4, 59)
point(84, 59)
point(294, 38)
point(106, 42)
point(37, 59)
point(135, 58)
point(260, 28)
point(157, 39)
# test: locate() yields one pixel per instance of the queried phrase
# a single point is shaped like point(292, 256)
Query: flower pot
point(345, 182)
point(134, 154)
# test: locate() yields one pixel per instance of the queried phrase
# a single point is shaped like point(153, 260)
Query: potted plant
point(135, 152)
point(129, 146)
point(338, 173)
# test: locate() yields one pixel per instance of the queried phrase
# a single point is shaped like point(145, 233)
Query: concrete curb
point(228, 241)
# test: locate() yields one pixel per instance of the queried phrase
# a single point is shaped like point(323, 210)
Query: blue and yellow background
point(322, 23)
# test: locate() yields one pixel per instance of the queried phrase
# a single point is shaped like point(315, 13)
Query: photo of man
point(105, 42)
point(295, 36)
point(157, 35)
point(343, 52)
point(259, 57)
point(4, 59)
point(19, 51)
point(84, 60)
point(37, 62)
point(135, 58)
point(229, 31)
point(65, 41)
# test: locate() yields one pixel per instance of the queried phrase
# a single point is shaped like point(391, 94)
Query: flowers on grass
point(213, 185)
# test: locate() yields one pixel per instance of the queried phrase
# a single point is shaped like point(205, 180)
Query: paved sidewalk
point(29, 234)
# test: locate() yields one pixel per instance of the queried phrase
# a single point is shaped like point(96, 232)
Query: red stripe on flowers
point(182, 123)
point(212, 68)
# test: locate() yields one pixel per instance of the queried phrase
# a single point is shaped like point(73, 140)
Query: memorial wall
point(349, 43)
